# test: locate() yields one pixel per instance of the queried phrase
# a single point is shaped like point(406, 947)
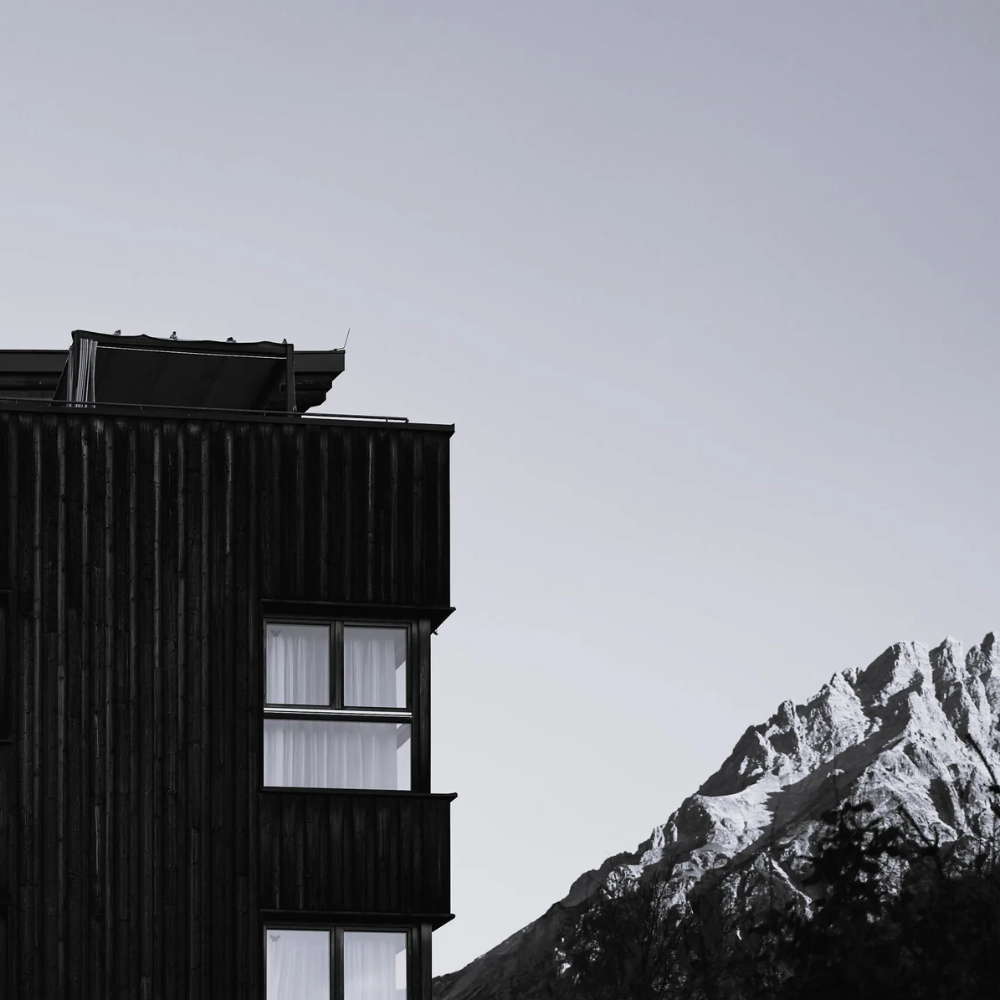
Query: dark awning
point(154, 371)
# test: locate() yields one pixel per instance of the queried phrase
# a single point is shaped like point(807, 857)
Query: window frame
point(336, 710)
point(336, 932)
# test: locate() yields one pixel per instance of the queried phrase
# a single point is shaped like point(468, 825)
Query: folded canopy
point(154, 371)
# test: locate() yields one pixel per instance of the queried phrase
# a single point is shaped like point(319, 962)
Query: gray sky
point(708, 288)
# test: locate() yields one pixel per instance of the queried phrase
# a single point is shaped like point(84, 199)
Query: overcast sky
point(709, 289)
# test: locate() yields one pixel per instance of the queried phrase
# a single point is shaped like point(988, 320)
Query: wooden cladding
point(347, 853)
point(137, 552)
point(6, 670)
point(6, 967)
point(335, 512)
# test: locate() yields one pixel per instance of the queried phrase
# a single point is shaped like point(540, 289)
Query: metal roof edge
point(194, 413)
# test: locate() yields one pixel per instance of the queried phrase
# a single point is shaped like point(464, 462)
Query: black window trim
point(335, 711)
point(337, 706)
point(336, 931)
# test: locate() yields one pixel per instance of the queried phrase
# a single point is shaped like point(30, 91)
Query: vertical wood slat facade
point(138, 851)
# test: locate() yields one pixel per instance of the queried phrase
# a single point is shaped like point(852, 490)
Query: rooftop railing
point(29, 402)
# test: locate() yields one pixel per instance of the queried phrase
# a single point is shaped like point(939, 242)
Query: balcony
point(352, 852)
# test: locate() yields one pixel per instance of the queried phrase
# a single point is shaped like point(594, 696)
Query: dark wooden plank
point(133, 810)
point(292, 854)
point(244, 633)
point(405, 518)
point(297, 503)
point(379, 500)
point(314, 857)
point(322, 533)
point(340, 835)
point(339, 518)
point(171, 934)
point(289, 509)
point(198, 486)
point(104, 707)
point(6, 692)
point(143, 541)
point(265, 486)
point(220, 698)
point(7, 978)
point(393, 591)
point(441, 528)
point(49, 680)
point(8, 802)
point(73, 558)
point(8, 499)
point(363, 815)
point(58, 558)
point(250, 627)
point(365, 495)
point(409, 862)
point(352, 522)
point(386, 895)
point(417, 570)
point(22, 632)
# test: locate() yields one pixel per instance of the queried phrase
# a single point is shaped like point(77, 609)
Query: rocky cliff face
point(893, 733)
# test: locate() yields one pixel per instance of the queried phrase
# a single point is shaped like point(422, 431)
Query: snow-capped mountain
point(896, 734)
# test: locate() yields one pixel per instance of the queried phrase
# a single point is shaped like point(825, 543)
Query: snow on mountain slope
point(893, 733)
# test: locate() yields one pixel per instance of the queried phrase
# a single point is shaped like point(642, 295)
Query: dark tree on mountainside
point(627, 945)
point(894, 915)
point(935, 935)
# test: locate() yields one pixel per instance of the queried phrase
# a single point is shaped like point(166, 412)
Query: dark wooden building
point(215, 638)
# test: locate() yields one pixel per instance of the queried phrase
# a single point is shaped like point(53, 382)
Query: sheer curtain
point(298, 964)
point(81, 371)
point(298, 664)
point(330, 753)
point(374, 965)
point(308, 753)
point(375, 667)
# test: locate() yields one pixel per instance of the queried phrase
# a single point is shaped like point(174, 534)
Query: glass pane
point(298, 664)
point(374, 965)
point(308, 753)
point(298, 964)
point(375, 667)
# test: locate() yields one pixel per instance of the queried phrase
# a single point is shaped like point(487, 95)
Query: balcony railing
point(355, 852)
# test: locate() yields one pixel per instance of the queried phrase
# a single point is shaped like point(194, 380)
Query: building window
point(335, 963)
point(337, 710)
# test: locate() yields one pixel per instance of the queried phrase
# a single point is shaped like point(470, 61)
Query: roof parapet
point(152, 371)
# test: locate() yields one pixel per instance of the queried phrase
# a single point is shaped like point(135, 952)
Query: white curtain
point(375, 667)
point(308, 753)
point(298, 965)
point(81, 371)
point(298, 664)
point(374, 965)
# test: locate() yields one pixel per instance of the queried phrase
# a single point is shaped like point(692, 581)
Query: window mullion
point(337, 972)
point(337, 665)
point(412, 667)
point(412, 962)
point(413, 697)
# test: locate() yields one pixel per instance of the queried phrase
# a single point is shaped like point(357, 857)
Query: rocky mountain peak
point(896, 733)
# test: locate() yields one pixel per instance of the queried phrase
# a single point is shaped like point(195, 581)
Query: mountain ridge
point(915, 732)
